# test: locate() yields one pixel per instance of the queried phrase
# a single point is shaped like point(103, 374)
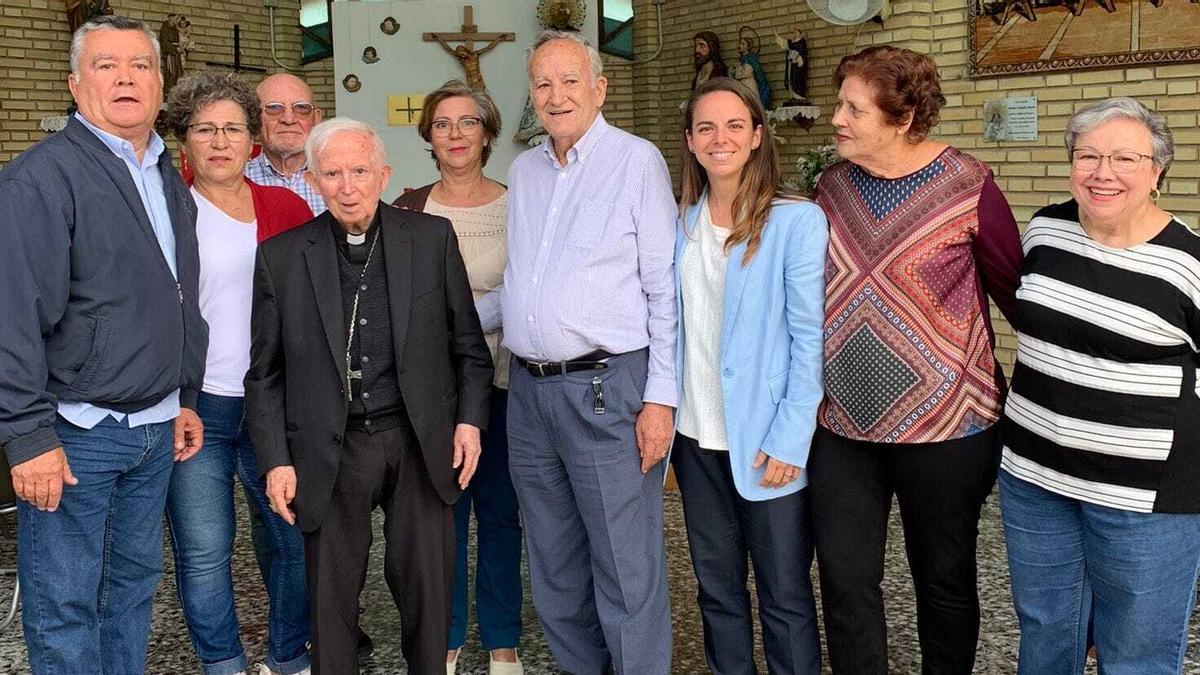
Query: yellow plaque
point(404, 110)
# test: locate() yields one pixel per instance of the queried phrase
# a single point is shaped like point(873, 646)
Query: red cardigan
point(276, 209)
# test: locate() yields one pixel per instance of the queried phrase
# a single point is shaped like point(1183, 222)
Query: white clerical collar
point(356, 239)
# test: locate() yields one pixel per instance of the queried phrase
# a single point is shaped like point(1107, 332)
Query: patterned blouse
point(908, 340)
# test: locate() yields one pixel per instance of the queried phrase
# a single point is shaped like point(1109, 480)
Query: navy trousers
point(497, 574)
point(593, 521)
point(723, 529)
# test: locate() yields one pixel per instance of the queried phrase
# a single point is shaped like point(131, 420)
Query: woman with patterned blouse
point(1100, 480)
point(920, 235)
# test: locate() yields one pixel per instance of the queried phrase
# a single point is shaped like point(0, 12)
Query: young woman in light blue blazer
point(750, 280)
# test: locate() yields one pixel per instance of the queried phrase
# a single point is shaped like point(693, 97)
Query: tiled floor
point(170, 651)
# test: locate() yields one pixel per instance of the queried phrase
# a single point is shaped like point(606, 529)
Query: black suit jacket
point(295, 389)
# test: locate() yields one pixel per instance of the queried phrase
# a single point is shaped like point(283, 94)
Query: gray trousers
point(593, 521)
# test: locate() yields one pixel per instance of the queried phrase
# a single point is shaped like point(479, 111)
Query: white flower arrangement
point(811, 165)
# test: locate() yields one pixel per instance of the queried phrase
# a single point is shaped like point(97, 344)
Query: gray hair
point(1123, 107)
point(321, 134)
point(107, 22)
point(198, 90)
point(550, 34)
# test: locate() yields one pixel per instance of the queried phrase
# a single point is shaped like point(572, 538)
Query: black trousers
point(384, 469)
point(941, 488)
point(722, 529)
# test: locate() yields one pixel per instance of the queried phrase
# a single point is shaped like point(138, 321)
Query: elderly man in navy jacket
point(101, 354)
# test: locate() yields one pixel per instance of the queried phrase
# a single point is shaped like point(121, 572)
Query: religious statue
point(80, 11)
point(561, 14)
point(796, 66)
point(174, 39)
point(469, 58)
point(706, 53)
point(749, 70)
point(466, 53)
point(370, 55)
point(389, 26)
point(351, 83)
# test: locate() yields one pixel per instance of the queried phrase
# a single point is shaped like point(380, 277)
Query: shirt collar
point(123, 148)
point(266, 163)
point(583, 147)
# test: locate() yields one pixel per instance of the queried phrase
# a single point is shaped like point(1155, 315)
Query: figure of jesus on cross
point(466, 52)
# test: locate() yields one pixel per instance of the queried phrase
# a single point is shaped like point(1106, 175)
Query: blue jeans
point(200, 514)
point(1133, 575)
point(88, 570)
point(498, 595)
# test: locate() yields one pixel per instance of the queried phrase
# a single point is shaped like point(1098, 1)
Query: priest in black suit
point(367, 388)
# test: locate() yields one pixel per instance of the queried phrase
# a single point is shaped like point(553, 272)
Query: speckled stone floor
point(170, 650)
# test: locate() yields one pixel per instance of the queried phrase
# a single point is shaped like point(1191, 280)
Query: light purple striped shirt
point(590, 254)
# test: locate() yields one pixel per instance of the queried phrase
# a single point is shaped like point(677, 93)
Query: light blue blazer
point(772, 342)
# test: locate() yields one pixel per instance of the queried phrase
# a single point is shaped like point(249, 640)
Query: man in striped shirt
point(288, 115)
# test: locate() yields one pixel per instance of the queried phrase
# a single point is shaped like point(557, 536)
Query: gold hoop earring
point(1155, 194)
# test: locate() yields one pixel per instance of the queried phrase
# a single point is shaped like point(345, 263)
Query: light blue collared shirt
point(149, 182)
point(590, 254)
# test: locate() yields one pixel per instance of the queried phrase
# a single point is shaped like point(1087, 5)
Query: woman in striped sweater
point(1100, 488)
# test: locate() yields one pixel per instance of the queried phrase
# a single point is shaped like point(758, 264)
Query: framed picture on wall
point(1010, 37)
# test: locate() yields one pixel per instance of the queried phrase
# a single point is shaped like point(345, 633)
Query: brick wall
point(1031, 174)
point(34, 43)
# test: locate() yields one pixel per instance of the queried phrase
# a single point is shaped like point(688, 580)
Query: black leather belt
point(593, 361)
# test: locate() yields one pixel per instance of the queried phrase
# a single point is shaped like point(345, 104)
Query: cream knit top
point(481, 240)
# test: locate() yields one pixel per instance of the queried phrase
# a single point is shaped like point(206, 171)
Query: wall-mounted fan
point(849, 12)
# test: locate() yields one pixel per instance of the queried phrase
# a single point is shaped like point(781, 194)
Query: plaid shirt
point(262, 172)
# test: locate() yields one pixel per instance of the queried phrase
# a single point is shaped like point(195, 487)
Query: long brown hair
point(759, 183)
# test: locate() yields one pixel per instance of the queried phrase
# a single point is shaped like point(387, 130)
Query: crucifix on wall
point(466, 52)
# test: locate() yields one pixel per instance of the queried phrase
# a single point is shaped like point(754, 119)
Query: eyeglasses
point(1125, 161)
point(467, 126)
point(301, 109)
point(205, 132)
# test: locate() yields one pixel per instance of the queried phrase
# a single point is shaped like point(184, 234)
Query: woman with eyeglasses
point(1100, 479)
point(461, 124)
point(215, 116)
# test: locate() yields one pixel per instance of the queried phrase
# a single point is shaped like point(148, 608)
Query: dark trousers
point(498, 596)
point(383, 469)
point(941, 488)
point(722, 529)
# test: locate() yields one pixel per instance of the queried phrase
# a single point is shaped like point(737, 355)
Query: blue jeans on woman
point(1132, 575)
point(201, 517)
point(498, 596)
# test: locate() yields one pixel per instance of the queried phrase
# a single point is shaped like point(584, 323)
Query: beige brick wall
point(34, 43)
point(1031, 174)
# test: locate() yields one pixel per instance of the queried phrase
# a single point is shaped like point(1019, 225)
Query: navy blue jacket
point(89, 310)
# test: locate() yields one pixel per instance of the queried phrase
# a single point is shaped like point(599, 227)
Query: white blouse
point(702, 287)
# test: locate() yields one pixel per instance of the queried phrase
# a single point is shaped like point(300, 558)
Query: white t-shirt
point(227, 249)
point(702, 285)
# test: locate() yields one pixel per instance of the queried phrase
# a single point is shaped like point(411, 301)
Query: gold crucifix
point(466, 53)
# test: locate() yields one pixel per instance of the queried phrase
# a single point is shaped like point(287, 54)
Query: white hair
point(550, 34)
point(106, 22)
point(1123, 107)
point(321, 134)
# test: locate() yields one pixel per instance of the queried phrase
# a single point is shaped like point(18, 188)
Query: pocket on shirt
point(590, 221)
